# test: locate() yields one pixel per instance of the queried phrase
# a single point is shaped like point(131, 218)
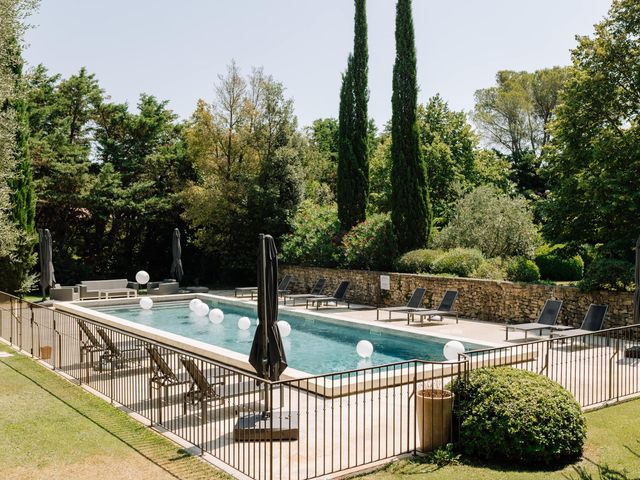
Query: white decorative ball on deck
point(202, 310)
point(193, 304)
point(244, 323)
point(142, 277)
point(146, 303)
point(364, 348)
point(284, 327)
point(452, 349)
point(216, 316)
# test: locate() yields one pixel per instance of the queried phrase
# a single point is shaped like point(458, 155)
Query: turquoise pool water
point(314, 345)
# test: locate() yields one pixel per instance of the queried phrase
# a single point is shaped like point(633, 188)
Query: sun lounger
point(413, 304)
point(315, 292)
point(593, 322)
point(546, 320)
point(116, 354)
point(444, 309)
point(201, 390)
point(283, 288)
point(338, 297)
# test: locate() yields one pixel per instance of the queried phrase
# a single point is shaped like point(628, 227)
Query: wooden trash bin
point(434, 416)
point(45, 352)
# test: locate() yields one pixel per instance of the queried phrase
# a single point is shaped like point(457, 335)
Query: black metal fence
point(333, 423)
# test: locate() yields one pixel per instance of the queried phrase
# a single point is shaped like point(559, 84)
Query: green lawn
point(51, 429)
point(613, 439)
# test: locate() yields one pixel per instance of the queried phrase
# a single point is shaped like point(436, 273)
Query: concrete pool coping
point(326, 385)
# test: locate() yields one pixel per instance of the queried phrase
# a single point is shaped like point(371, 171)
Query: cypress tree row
point(353, 160)
point(410, 206)
point(346, 158)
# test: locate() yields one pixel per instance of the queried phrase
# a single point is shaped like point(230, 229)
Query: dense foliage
point(608, 274)
point(517, 417)
point(410, 205)
point(521, 269)
point(370, 245)
point(461, 262)
point(418, 261)
point(555, 263)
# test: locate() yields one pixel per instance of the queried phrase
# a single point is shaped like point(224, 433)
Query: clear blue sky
point(175, 49)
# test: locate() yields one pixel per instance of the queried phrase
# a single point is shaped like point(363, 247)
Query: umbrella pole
point(265, 335)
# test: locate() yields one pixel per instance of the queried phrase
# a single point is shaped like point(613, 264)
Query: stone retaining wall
point(497, 301)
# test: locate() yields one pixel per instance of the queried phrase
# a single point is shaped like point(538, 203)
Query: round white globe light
point(284, 327)
point(452, 349)
point(257, 322)
point(364, 348)
point(193, 304)
point(216, 316)
point(202, 309)
point(146, 303)
point(244, 323)
point(142, 277)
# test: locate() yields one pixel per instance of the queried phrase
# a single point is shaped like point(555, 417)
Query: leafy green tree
point(411, 208)
point(346, 154)
point(594, 156)
point(320, 161)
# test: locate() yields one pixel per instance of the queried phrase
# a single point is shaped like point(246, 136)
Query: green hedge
point(556, 264)
point(492, 269)
point(370, 245)
point(608, 274)
point(417, 261)
point(521, 269)
point(461, 262)
point(517, 417)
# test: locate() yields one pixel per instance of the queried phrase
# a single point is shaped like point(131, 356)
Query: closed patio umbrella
point(47, 276)
point(636, 294)
point(176, 249)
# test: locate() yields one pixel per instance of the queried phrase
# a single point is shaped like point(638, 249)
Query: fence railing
point(332, 422)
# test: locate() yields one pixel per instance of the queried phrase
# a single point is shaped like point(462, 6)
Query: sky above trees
point(175, 50)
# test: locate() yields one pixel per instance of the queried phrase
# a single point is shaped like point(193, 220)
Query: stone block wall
point(490, 300)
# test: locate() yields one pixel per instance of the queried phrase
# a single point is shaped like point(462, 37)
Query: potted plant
point(434, 409)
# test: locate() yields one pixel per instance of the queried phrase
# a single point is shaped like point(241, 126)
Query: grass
point(52, 429)
point(613, 439)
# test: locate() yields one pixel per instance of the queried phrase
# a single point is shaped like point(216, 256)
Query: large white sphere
point(202, 310)
point(142, 277)
point(216, 315)
point(146, 303)
point(193, 304)
point(284, 327)
point(364, 348)
point(452, 349)
point(244, 323)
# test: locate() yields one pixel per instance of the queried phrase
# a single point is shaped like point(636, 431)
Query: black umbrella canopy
point(176, 249)
point(267, 353)
point(636, 294)
point(47, 276)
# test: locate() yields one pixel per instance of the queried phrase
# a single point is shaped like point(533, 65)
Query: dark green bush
point(461, 262)
point(608, 274)
point(521, 269)
point(557, 264)
point(417, 261)
point(511, 415)
point(370, 245)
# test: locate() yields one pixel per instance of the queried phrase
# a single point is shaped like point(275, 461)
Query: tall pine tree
point(410, 206)
point(353, 160)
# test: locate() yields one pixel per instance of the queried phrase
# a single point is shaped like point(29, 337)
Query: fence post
point(31, 320)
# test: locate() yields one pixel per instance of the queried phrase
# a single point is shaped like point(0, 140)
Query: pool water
point(314, 345)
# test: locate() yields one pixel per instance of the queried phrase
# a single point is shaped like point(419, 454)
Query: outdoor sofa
point(98, 289)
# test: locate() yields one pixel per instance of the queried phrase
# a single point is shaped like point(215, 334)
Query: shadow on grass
point(175, 461)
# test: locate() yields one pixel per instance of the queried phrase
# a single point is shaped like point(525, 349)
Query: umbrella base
point(279, 426)
point(632, 352)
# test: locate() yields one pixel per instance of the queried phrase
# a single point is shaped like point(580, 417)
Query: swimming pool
point(315, 345)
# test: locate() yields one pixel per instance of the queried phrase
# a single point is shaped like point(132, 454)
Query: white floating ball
point(244, 323)
point(193, 304)
point(216, 316)
point(202, 309)
point(364, 348)
point(257, 322)
point(284, 327)
point(142, 277)
point(146, 303)
point(452, 349)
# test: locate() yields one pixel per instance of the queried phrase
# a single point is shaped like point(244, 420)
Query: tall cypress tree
point(353, 159)
point(410, 206)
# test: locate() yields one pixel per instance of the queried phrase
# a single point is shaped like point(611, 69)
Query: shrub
point(522, 269)
point(461, 262)
point(510, 415)
point(493, 222)
point(491, 269)
point(315, 239)
point(557, 264)
point(608, 274)
point(370, 245)
point(417, 261)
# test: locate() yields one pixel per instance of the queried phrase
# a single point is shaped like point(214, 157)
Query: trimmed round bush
point(521, 269)
point(491, 269)
point(514, 416)
point(370, 245)
point(608, 274)
point(417, 261)
point(555, 264)
point(461, 262)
